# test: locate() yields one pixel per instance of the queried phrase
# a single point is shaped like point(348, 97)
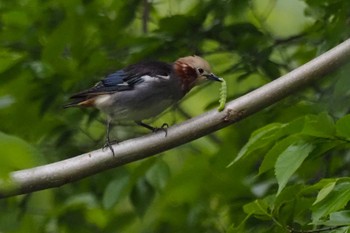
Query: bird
point(143, 90)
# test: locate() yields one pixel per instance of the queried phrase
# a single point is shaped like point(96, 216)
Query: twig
point(145, 16)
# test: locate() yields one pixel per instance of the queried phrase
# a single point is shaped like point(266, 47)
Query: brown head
point(193, 70)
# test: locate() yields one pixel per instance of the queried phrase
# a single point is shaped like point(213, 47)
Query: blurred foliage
point(289, 167)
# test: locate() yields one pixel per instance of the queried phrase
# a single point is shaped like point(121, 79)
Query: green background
point(291, 160)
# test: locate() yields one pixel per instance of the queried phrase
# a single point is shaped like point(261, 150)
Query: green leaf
point(334, 201)
point(83, 200)
point(141, 196)
point(267, 136)
point(289, 161)
point(259, 208)
point(259, 139)
point(273, 154)
point(174, 25)
point(114, 191)
point(323, 193)
point(321, 125)
point(271, 69)
point(322, 146)
point(343, 127)
point(310, 190)
point(339, 218)
point(15, 154)
point(8, 59)
point(291, 130)
point(158, 174)
point(287, 198)
point(16, 18)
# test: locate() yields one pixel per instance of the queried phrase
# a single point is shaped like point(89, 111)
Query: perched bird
point(144, 90)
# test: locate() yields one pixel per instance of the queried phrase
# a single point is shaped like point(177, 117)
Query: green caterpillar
point(223, 95)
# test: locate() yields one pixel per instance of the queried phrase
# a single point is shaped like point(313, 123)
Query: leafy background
point(289, 164)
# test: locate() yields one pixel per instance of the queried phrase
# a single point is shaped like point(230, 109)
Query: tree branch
point(76, 168)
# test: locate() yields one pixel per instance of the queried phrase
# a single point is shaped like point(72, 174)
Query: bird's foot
point(164, 128)
point(108, 145)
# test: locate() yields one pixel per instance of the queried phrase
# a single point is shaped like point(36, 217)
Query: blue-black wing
point(123, 80)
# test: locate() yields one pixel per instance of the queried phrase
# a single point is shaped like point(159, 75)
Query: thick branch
point(76, 168)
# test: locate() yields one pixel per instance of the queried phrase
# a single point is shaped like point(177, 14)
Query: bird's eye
point(200, 70)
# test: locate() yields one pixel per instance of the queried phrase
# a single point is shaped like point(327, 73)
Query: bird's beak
point(212, 77)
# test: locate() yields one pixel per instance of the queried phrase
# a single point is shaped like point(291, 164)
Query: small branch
point(79, 167)
point(145, 16)
point(289, 39)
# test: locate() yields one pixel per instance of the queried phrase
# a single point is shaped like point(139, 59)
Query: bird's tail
point(73, 103)
point(81, 100)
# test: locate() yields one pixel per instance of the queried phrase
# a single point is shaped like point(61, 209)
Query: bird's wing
point(121, 80)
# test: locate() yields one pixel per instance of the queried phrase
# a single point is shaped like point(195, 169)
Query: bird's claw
point(164, 128)
point(108, 145)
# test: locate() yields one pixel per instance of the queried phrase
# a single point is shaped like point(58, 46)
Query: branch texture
point(76, 168)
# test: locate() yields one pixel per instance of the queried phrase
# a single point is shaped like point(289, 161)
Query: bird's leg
point(154, 129)
point(108, 141)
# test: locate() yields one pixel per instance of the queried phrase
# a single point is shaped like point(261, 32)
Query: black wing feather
point(123, 80)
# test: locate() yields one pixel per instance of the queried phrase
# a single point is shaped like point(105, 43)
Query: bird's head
point(193, 70)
